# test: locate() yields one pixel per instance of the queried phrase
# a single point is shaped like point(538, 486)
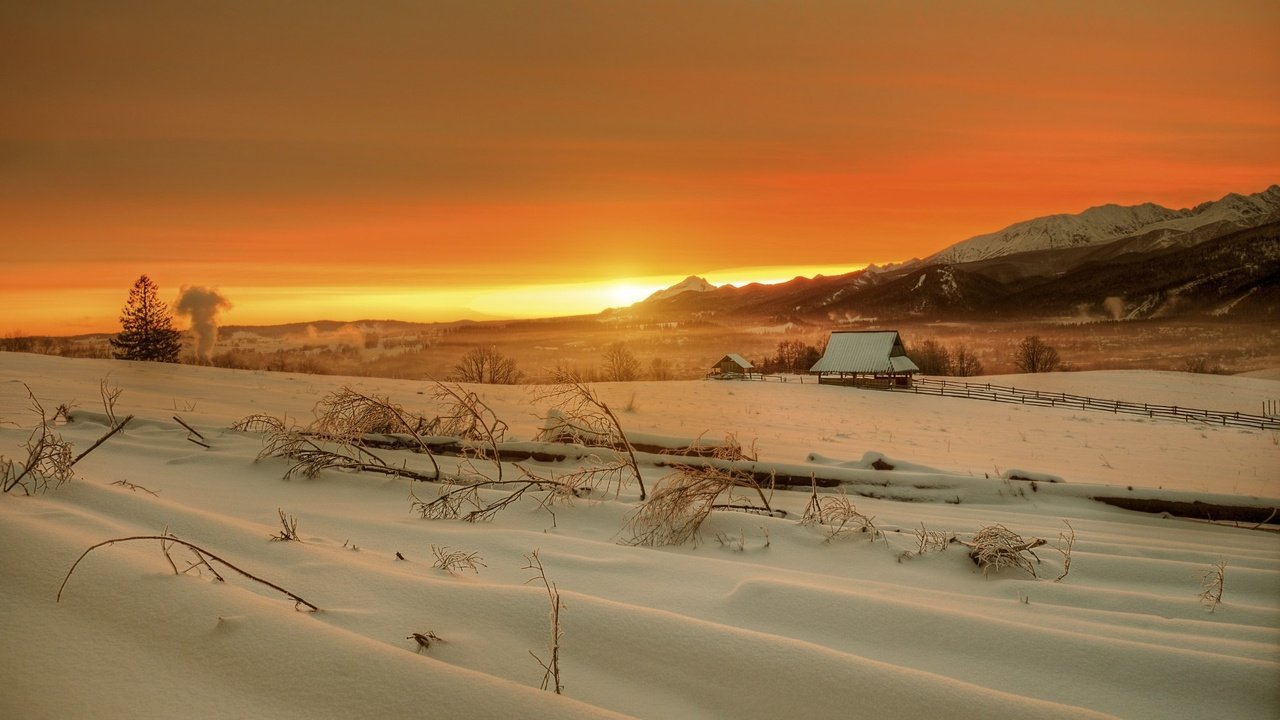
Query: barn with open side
point(865, 358)
point(731, 365)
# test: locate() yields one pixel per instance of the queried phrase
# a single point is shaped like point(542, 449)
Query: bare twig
point(190, 429)
point(102, 439)
point(551, 666)
point(200, 552)
point(110, 394)
point(288, 528)
point(1211, 585)
point(1066, 543)
point(135, 488)
point(424, 639)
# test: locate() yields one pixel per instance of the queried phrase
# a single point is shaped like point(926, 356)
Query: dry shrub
point(995, 547)
point(346, 416)
point(288, 528)
point(838, 516)
point(48, 459)
point(931, 540)
point(1211, 585)
point(683, 500)
point(456, 560)
point(335, 441)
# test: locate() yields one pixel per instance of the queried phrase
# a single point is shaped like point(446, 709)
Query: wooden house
point(732, 364)
point(866, 358)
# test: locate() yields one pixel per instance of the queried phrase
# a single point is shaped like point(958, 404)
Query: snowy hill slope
point(765, 617)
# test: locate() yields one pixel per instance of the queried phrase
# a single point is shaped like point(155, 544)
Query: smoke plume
point(1114, 306)
point(202, 305)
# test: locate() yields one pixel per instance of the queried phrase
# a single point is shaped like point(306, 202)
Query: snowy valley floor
point(764, 617)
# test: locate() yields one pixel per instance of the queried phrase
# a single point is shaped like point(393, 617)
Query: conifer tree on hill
point(147, 331)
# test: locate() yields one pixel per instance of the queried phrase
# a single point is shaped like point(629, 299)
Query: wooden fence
point(1018, 396)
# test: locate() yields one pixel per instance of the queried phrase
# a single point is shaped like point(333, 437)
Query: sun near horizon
point(266, 305)
point(441, 161)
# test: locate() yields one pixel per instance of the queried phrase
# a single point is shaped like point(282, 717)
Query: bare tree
point(932, 357)
point(659, 368)
point(487, 365)
point(965, 363)
point(620, 364)
point(1035, 356)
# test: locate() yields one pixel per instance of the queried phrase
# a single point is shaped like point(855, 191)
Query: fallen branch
point(200, 552)
point(190, 429)
point(101, 440)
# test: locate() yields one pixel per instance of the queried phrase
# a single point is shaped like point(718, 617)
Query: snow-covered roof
point(874, 351)
point(736, 359)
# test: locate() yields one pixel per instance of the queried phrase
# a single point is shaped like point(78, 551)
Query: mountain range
point(1218, 259)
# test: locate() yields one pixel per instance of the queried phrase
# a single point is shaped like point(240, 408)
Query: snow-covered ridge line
point(1109, 223)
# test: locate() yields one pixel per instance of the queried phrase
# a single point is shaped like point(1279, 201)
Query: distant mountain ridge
point(1107, 223)
point(1218, 259)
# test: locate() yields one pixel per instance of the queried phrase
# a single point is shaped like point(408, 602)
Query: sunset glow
point(443, 161)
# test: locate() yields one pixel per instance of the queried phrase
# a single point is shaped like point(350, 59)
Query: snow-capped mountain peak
point(1108, 223)
point(693, 283)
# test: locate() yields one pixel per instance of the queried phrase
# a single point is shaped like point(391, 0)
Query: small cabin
point(732, 364)
point(865, 358)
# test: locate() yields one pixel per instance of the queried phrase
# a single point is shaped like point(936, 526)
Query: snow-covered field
point(763, 618)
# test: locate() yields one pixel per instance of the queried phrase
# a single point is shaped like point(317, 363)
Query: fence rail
point(1041, 398)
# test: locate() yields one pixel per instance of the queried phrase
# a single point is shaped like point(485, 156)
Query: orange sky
point(430, 160)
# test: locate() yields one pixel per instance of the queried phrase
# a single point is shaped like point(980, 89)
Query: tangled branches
point(343, 418)
point(455, 560)
point(583, 417)
point(464, 500)
point(49, 457)
point(838, 516)
point(467, 417)
point(674, 514)
point(997, 547)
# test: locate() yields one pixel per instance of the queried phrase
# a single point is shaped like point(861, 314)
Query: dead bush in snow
point(336, 440)
point(288, 528)
point(995, 547)
point(683, 500)
point(931, 540)
point(1211, 585)
point(838, 516)
point(456, 560)
point(49, 459)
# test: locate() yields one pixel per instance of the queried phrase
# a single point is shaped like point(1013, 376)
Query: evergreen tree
point(147, 331)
